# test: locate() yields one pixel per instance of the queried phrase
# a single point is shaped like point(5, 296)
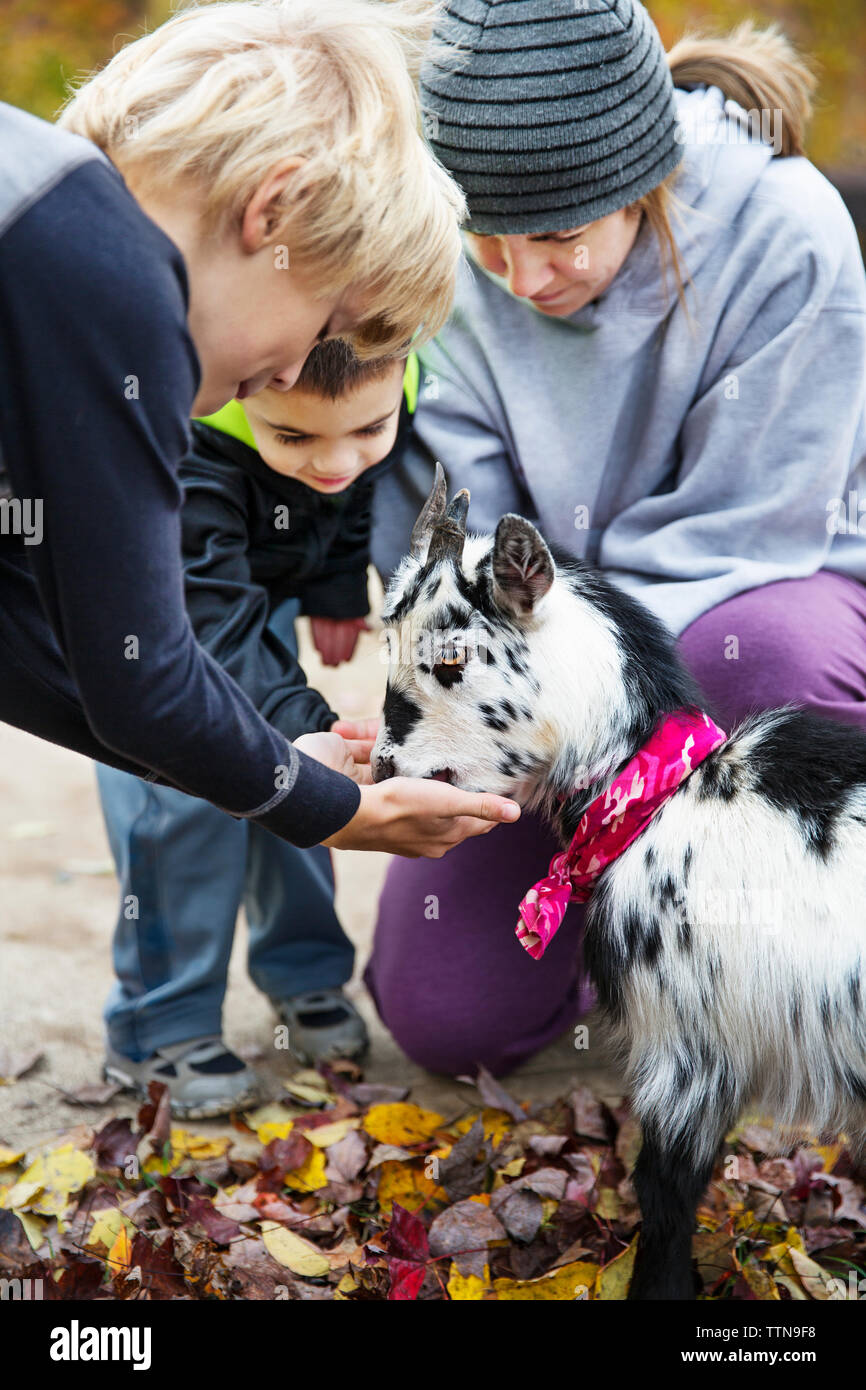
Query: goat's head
point(503, 675)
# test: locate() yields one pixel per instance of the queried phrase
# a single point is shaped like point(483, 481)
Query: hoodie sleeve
point(765, 450)
point(98, 375)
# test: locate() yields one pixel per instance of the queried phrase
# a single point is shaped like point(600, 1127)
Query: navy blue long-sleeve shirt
point(98, 374)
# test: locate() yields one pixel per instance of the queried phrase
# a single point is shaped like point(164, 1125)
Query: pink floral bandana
point(614, 819)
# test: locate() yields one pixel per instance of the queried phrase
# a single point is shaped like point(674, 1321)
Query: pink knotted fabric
point(614, 819)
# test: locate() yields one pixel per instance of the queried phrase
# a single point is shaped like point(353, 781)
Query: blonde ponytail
point(757, 68)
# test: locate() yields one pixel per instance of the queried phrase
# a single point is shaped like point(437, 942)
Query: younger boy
point(276, 519)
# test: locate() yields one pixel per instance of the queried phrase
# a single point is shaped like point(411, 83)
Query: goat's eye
point(452, 656)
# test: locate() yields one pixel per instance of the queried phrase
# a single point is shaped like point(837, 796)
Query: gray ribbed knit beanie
point(555, 113)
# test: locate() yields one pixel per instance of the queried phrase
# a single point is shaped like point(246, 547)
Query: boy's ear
point(522, 565)
point(262, 215)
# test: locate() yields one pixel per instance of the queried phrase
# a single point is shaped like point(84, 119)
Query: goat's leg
point(669, 1182)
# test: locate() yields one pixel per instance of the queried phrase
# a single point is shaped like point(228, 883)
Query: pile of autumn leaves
point(346, 1191)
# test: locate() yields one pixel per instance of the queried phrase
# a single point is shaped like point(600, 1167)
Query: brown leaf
point(114, 1143)
point(496, 1096)
point(93, 1093)
point(588, 1114)
point(14, 1065)
point(464, 1231)
point(346, 1158)
point(521, 1212)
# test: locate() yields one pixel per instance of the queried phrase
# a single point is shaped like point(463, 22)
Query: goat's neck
point(592, 722)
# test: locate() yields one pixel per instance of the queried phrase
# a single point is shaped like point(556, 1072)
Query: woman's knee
point(788, 642)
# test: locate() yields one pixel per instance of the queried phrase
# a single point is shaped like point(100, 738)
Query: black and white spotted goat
point(727, 943)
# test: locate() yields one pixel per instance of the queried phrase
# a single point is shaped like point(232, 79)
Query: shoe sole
point(182, 1110)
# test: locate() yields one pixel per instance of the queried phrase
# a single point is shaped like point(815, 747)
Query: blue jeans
point(184, 869)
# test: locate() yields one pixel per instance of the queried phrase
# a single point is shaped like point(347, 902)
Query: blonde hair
point(757, 68)
point(210, 102)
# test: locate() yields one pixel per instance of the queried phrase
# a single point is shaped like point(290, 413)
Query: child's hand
point(349, 756)
point(361, 734)
point(335, 638)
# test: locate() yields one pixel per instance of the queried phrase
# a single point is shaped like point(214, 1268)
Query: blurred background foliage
point(45, 44)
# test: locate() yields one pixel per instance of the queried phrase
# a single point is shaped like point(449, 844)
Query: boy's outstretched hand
point(335, 638)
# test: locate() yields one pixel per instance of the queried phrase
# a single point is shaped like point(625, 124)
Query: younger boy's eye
point(373, 429)
point(291, 438)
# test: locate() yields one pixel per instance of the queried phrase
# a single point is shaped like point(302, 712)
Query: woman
point(240, 184)
point(658, 355)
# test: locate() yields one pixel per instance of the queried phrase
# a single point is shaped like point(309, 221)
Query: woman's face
point(559, 272)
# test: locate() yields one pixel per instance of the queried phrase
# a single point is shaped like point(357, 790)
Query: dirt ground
point(58, 900)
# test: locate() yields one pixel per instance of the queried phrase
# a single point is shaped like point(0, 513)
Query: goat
point(726, 942)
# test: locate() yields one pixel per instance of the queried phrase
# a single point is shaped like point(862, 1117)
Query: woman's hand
point(415, 817)
point(335, 638)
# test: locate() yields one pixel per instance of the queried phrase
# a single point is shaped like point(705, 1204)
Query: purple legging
point(457, 989)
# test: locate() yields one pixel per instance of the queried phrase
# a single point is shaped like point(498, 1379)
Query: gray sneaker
point(203, 1077)
point(323, 1026)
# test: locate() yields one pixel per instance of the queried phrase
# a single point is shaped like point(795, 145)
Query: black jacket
point(241, 562)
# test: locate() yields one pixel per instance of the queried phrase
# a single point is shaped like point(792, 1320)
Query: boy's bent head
point(339, 419)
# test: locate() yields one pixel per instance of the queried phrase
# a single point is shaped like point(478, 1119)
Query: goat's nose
point(383, 768)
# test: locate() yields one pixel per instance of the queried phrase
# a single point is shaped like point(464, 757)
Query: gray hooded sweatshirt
point(691, 457)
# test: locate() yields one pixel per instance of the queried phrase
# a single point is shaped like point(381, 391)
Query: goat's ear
point(432, 512)
point(522, 565)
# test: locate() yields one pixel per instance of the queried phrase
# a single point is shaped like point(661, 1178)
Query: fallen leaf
point(407, 1184)
point(311, 1175)
point(401, 1124)
point(289, 1249)
point(14, 1065)
point(588, 1115)
point(48, 1184)
point(571, 1283)
point(613, 1280)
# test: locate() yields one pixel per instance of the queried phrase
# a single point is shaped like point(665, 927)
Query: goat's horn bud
point(449, 534)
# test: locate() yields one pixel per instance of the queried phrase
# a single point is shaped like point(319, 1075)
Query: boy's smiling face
point(326, 444)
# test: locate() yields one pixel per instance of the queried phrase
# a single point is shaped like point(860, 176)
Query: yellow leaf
point(34, 1227)
point(401, 1123)
point(407, 1185)
point(107, 1225)
point(815, 1280)
point(348, 1284)
point(496, 1124)
point(311, 1175)
point(762, 1284)
point(313, 1095)
point(271, 1129)
point(272, 1113)
point(186, 1145)
point(10, 1155)
point(298, 1255)
point(47, 1185)
point(613, 1281)
point(326, 1135)
point(514, 1168)
point(118, 1257)
point(571, 1282)
point(830, 1154)
point(468, 1288)
point(483, 1198)
point(608, 1204)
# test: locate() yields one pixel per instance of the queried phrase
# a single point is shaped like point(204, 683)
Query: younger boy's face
point(322, 443)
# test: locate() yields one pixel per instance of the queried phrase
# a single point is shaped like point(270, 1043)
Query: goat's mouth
point(444, 774)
